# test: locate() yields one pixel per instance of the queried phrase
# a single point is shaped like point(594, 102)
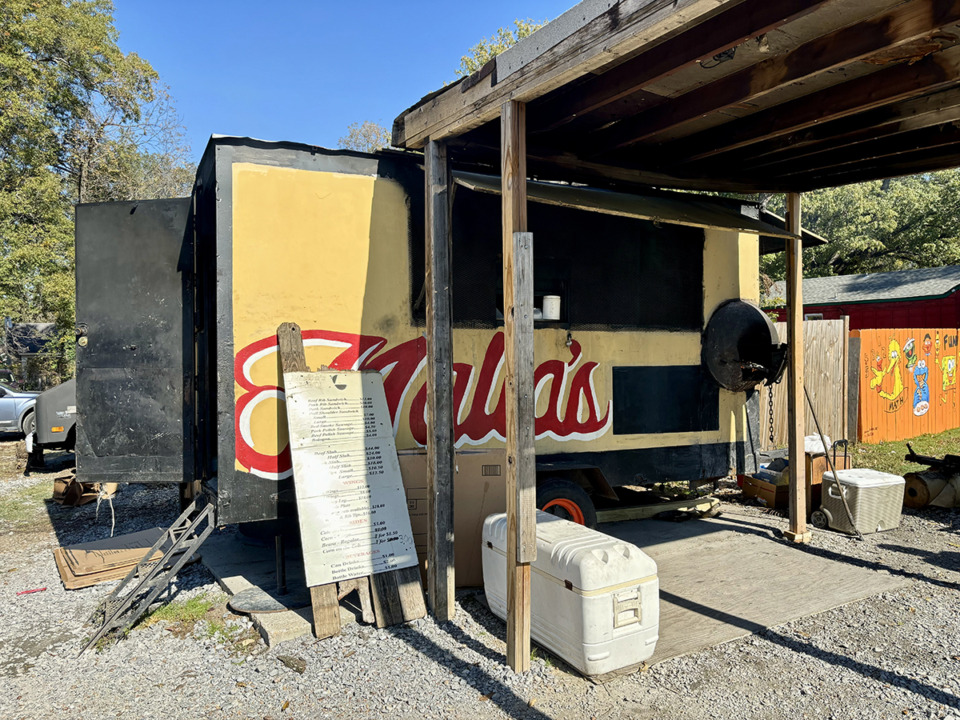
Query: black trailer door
point(135, 342)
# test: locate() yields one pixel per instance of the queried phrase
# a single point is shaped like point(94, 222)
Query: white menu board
point(350, 499)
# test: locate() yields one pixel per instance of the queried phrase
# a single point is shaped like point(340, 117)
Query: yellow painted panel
point(330, 252)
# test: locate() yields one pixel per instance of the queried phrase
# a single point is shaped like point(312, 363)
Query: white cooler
point(594, 599)
point(875, 499)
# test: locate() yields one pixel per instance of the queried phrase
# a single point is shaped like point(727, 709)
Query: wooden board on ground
point(724, 578)
point(641, 512)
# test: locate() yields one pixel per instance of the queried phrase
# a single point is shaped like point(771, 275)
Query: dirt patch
point(13, 458)
point(23, 509)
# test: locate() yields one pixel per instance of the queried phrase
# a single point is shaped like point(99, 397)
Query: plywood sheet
point(721, 579)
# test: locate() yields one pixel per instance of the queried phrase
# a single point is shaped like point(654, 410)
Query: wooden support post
point(518, 383)
point(323, 598)
point(796, 402)
point(440, 447)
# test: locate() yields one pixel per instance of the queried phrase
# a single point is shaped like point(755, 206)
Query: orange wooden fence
point(908, 383)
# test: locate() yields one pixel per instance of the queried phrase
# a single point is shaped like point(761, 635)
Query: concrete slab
point(727, 577)
point(239, 562)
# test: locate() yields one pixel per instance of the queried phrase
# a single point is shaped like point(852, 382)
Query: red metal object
point(571, 508)
point(27, 592)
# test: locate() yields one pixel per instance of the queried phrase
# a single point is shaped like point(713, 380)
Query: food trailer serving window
point(608, 271)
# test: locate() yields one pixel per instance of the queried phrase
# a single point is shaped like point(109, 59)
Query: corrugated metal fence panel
point(825, 376)
point(908, 383)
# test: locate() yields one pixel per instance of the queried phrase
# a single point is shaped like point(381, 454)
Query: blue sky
point(303, 71)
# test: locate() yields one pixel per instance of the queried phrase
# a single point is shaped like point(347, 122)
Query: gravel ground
point(893, 655)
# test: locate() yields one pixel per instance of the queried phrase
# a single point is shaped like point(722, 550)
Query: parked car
point(56, 422)
point(17, 410)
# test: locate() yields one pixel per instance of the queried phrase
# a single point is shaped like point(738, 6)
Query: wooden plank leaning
point(323, 598)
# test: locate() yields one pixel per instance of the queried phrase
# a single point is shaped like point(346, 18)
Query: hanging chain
point(770, 407)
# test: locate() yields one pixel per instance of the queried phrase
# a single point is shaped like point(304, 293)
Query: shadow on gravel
point(477, 609)
point(807, 648)
point(944, 559)
point(872, 564)
point(55, 464)
point(135, 507)
point(480, 680)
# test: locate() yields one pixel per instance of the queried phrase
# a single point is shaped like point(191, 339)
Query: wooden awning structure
point(739, 95)
point(724, 95)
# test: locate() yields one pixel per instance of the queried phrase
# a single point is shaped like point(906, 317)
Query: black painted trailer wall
point(135, 341)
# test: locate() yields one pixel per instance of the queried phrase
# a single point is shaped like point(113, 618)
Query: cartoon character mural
point(948, 367)
point(910, 353)
point(948, 363)
point(930, 357)
point(894, 391)
point(921, 396)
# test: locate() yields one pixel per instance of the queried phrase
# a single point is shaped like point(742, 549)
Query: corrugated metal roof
point(876, 287)
point(675, 208)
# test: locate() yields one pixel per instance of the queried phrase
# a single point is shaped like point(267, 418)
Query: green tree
point(492, 46)
point(880, 226)
point(365, 137)
point(79, 120)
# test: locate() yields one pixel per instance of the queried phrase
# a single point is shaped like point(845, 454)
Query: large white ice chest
point(595, 600)
point(875, 499)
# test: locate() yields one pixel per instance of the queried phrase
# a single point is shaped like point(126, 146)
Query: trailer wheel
point(566, 500)
point(819, 519)
point(29, 423)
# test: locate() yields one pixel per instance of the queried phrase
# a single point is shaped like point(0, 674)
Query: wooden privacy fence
point(826, 378)
point(908, 382)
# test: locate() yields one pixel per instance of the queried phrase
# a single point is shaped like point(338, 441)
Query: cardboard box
point(479, 490)
point(99, 561)
point(773, 496)
point(816, 467)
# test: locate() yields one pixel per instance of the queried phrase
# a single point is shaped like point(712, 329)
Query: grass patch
point(545, 656)
point(185, 614)
point(888, 456)
point(204, 617)
point(22, 506)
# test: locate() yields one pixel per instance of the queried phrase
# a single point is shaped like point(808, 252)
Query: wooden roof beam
point(882, 147)
point(912, 21)
point(884, 122)
point(621, 30)
point(919, 161)
point(740, 23)
point(888, 85)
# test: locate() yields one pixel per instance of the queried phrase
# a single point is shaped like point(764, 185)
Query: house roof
point(736, 95)
point(28, 338)
point(876, 287)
